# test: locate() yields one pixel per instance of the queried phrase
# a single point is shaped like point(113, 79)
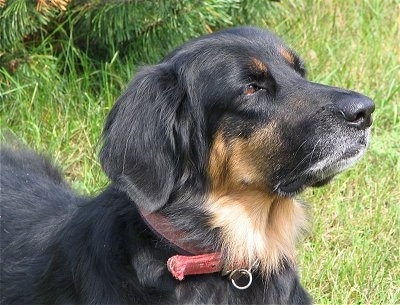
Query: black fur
point(60, 248)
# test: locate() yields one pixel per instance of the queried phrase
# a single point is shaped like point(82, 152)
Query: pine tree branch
point(43, 5)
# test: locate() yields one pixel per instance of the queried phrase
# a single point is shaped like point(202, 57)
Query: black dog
point(205, 151)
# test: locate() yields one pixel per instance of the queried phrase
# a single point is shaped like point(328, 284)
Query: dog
point(205, 152)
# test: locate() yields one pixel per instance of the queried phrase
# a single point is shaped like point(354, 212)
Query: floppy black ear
point(140, 152)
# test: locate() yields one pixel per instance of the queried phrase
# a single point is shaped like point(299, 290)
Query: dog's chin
point(322, 182)
point(321, 172)
point(293, 186)
point(301, 182)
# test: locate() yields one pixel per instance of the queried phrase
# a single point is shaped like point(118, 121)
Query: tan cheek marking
point(243, 170)
point(287, 55)
point(243, 163)
point(229, 165)
point(262, 148)
point(217, 167)
point(266, 140)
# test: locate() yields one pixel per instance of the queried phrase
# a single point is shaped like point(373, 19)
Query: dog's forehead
point(259, 46)
point(237, 41)
point(263, 41)
point(238, 48)
point(268, 49)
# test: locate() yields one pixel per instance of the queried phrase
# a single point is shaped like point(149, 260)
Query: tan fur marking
point(240, 164)
point(230, 168)
point(257, 227)
point(287, 55)
point(258, 65)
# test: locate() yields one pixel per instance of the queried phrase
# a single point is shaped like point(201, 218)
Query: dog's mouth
point(322, 171)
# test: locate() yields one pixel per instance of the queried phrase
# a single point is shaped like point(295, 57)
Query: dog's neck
point(257, 229)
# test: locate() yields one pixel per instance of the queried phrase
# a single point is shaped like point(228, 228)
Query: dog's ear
point(143, 148)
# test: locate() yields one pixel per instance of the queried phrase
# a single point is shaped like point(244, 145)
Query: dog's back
point(35, 199)
point(35, 203)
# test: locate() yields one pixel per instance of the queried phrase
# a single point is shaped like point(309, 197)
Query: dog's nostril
point(357, 110)
point(359, 116)
point(354, 116)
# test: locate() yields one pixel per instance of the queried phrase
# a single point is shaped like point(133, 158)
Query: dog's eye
point(251, 89)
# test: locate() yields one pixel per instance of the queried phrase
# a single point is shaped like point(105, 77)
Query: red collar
point(181, 265)
point(193, 263)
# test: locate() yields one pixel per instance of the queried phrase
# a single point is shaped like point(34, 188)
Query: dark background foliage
point(143, 29)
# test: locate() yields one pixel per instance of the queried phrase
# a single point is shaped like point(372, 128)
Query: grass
point(351, 255)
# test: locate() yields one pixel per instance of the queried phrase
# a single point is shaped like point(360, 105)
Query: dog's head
point(231, 111)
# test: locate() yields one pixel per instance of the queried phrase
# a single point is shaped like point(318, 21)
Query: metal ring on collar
point(239, 273)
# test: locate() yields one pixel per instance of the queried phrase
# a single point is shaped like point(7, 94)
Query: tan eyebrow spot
point(258, 65)
point(287, 55)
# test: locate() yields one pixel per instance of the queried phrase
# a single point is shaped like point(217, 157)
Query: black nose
point(356, 110)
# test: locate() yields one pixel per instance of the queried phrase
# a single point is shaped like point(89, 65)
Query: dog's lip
point(294, 185)
point(354, 150)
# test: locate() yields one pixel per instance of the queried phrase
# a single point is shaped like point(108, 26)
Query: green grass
point(351, 255)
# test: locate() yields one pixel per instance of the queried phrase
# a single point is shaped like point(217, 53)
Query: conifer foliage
point(144, 29)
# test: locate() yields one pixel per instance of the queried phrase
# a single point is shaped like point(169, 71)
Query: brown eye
point(251, 89)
